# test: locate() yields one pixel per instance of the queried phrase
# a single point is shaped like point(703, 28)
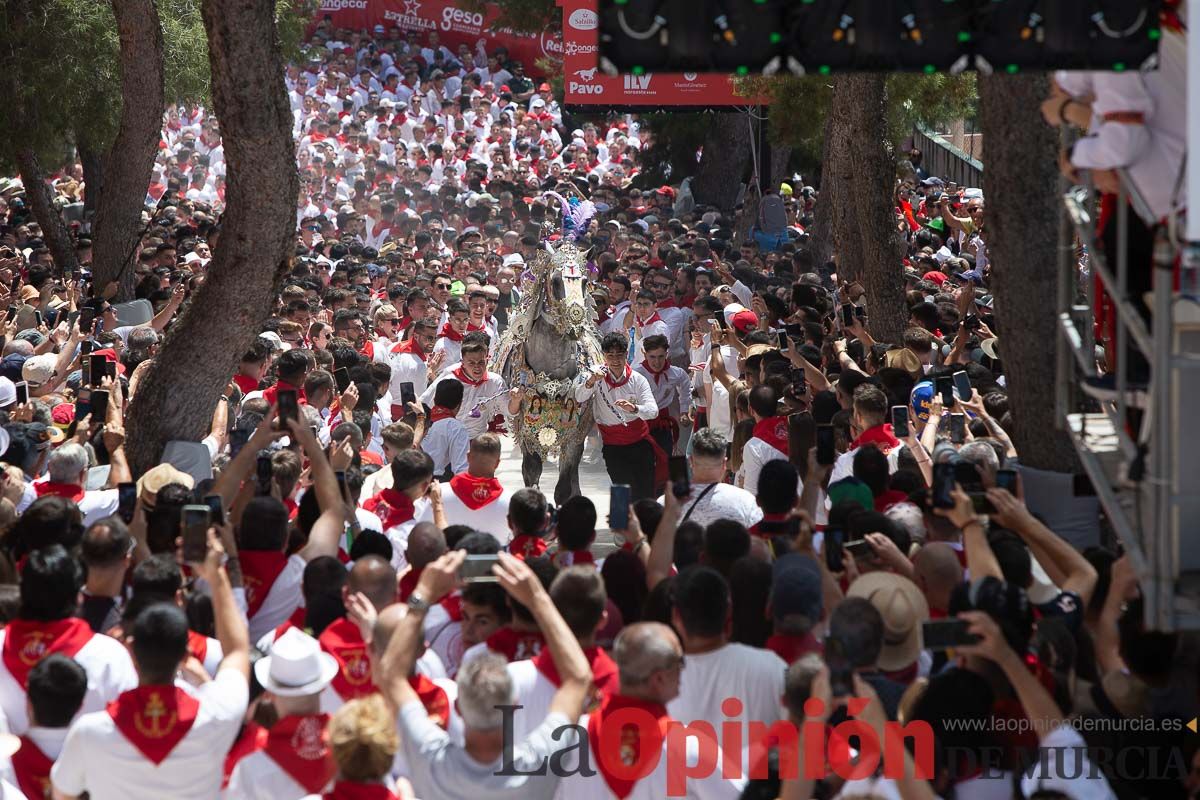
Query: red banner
point(453, 25)
point(585, 84)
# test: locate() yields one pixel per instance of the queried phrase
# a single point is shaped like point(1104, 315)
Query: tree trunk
point(723, 162)
point(820, 235)
point(93, 176)
point(180, 391)
point(869, 246)
point(41, 200)
point(130, 160)
point(1021, 187)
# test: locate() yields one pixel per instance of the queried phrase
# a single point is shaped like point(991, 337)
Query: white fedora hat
point(297, 666)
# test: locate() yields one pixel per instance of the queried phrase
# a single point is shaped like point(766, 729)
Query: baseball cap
point(37, 370)
point(935, 276)
point(851, 489)
point(744, 321)
point(972, 275)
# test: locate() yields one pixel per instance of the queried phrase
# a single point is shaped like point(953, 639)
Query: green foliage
point(522, 16)
point(61, 58)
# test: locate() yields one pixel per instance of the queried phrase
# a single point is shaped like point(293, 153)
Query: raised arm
point(523, 585)
point(329, 527)
point(1065, 565)
point(231, 625)
point(662, 552)
point(981, 561)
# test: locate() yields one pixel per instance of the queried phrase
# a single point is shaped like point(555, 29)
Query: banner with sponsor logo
point(453, 25)
point(585, 84)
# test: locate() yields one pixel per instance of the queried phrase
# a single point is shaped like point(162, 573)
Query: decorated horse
point(551, 340)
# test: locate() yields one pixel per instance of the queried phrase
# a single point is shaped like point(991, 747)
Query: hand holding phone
point(408, 393)
point(126, 501)
point(478, 569)
point(194, 530)
point(287, 407)
point(618, 507)
point(826, 454)
point(678, 467)
point(943, 634)
point(900, 427)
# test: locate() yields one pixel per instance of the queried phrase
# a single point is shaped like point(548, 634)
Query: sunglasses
point(441, 286)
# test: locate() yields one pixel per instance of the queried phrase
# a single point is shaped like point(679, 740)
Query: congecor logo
point(464, 21)
point(583, 19)
point(342, 5)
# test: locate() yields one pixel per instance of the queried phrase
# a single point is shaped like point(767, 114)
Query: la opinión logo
point(825, 748)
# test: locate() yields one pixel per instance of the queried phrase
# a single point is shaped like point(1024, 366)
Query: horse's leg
point(568, 471)
point(531, 466)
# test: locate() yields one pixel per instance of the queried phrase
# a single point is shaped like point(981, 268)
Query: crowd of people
point(334, 595)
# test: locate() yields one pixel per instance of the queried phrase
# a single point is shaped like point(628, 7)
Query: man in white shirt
point(646, 322)
point(770, 439)
point(711, 498)
point(651, 664)
point(67, 468)
point(484, 393)
point(158, 740)
point(623, 404)
point(296, 760)
point(409, 362)
point(407, 502)
point(716, 668)
point(57, 686)
point(446, 439)
point(45, 624)
point(868, 423)
point(485, 765)
point(476, 497)
point(672, 389)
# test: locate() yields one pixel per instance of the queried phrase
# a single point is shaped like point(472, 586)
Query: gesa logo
point(452, 17)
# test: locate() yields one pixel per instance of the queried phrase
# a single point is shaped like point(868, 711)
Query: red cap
point(744, 321)
point(505, 88)
point(937, 277)
point(545, 87)
point(110, 355)
point(667, 190)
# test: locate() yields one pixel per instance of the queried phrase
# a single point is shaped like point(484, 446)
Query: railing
point(1148, 480)
point(946, 161)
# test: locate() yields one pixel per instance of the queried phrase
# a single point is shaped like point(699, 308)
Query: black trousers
point(664, 439)
point(631, 464)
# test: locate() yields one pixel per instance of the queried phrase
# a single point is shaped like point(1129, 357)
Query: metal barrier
point(946, 161)
point(1148, 480)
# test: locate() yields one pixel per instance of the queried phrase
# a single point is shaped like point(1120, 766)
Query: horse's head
point(565, 299)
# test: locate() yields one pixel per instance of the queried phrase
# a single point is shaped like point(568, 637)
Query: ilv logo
point(637, 83)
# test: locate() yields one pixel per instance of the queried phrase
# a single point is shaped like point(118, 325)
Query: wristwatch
point(418, 604)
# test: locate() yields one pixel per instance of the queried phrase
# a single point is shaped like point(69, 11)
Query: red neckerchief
point(71, 491)
point(439, 413)
point(378, 228)
point(462, 376)
point(271, 393)
point(617, 384)
point(260, 569)
point(773, 431)
point(410, 345)
point(452, 604)
point(657, 374)
point(526, 547)
point(890, 498)
point(343, 641)
point(299, 744)
point(475, 492)
point(669, 303)
point(392, 507)
point(434, 698)
point(472, 327)
point(368, 350)
point(516, 645)
point(756, 529)
point(408, 584)
point(246, 383)
point(448, 332)
point(570, 558)
point(904, 676)
point(627, 743)
point(604, 669)
point(32, 769)
point(252, 739)
point(197, 645)
point(154, 718)
point(881, 436)
point(26, 642)
point(649, 320)
point(350, 790)
point(791, 648)
point(1170, 18)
